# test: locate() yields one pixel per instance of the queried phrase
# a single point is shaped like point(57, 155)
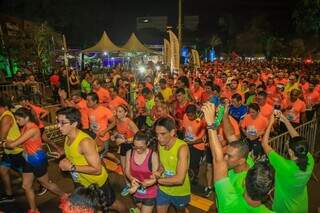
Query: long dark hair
point(25, 112)
point(300, 149)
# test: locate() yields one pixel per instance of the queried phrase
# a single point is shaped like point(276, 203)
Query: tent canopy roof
point(134, 45)
point(104, 45)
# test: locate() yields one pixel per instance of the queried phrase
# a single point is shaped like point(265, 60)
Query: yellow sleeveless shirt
point(13, 134)
point(78, 159)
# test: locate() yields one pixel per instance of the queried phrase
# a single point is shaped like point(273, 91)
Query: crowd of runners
point(163, 126)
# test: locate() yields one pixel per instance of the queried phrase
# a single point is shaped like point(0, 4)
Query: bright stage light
point(104, 53)
point(142, 69)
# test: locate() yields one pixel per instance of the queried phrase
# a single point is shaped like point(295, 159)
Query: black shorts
point(145, 201)
point(109, 194)
point(124, 147)
point(12, 161)
point(38, 170)
point(208, 155)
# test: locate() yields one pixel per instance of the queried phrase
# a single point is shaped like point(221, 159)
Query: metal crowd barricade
point(35, 90)
point(52, 131)
point(307, 130)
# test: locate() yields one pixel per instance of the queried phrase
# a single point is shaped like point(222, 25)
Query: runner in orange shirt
point(103, 94)
point(194, 131)
point(295, 108)
point(265, 108)
point(312, 99)
point(99, 119)
point(197, 90)
point(116, 100)
point(253, 126)
point(126, 129)
point(78, 102)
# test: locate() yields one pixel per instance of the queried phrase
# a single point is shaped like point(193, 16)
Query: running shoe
point(41, 191)
point(207, 191)
point(7, 199)
point(125, 190)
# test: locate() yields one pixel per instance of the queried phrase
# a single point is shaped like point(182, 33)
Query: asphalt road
point(49, 203)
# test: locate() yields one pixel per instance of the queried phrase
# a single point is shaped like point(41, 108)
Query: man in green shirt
point(86, 85)
point(258, 182)
point(292, 175)
point(172, 176)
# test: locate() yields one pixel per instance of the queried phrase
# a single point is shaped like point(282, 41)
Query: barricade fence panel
point(307, 130)
point(34, 90)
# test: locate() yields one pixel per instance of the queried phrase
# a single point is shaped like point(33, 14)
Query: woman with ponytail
point(35, 159)
point(293, 174)
point(85, 200)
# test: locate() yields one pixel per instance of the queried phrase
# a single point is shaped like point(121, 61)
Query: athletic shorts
point(208, 155)
point(145, 201)
point(109, 194)
point(124, 147)
point(176, 201)
point(36, 163)
point(13, 161)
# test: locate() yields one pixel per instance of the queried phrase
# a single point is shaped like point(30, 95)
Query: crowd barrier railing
point(307, 130)
point(35, 90)
point(51, 118)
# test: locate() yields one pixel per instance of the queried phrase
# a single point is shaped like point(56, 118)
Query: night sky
point(84, 20)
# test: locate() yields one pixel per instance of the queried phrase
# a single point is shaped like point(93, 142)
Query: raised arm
point(292, 131)
point(265, 140)
point(227, 126)
point(219, 164)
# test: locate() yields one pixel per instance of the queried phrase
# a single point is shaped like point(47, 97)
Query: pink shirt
point(143, 172)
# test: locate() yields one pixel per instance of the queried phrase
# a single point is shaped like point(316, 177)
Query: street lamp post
point(180, 23)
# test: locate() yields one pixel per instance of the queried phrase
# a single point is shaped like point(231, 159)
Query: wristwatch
point(73, 168)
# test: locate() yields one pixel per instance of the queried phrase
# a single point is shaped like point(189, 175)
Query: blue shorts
point(176, 201)
point(36, 163)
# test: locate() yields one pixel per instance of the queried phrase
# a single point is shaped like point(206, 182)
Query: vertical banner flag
point(197, 59)
point(167, 51)
point(175, 51)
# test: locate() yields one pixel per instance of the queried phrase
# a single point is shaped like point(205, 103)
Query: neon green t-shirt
point(85, 86)
point(231, 201)
point(291, 192)
point(237, 179)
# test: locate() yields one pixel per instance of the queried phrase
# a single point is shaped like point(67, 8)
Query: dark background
point(83, 21)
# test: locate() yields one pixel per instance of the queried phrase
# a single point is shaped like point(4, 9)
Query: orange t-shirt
point(256, 126)
point(140, 104)
point(271, 90)
point(312, 98)
point(266, 110)
point(84, 111)
point(31, 146)
point(221, 134)
point(98, 119)
point(38, 110)
point(304, 87)
point(149, 86)
point(117, 101)
point(123, 128)
point(197, 94)
point(293, 110)
point(103, 94)
point(194, 130)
